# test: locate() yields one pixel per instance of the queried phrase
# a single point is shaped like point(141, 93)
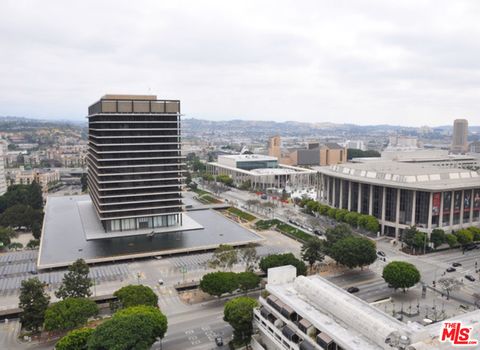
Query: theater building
point(401, 195)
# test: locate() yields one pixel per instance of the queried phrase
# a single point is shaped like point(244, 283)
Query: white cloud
point(409, 63)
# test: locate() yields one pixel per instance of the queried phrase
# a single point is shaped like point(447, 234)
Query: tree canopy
point(249, 256)
point(239, 313)
point(76, 282)
point(354, 251)
point(275, 260)
point(464, 237)
point(136, 327)
point(218, 283)
point(225, 256)
point(69, 313)
point(437, 237)
point(33, 302)
point(312, 251)
point(247, 280)
point(401, 274)
point(133, 295)
point(75, 340)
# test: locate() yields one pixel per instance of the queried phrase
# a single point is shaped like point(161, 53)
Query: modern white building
point(262, 171)
point(401, 195)
point(310, 313)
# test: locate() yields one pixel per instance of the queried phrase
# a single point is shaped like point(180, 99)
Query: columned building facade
point(404, 195)
point(135, 167)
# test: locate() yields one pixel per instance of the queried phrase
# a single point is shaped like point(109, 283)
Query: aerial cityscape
point(223, 175)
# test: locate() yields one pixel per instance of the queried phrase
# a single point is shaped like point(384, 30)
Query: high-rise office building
point(460, 133)
point(135, 167)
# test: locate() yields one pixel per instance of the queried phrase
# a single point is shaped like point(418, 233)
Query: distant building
point(355, 144)
point(314, 154)
point(402, 142)
point(310, 313)
point(45, 178)
point(474, 147)
point(459, 137)
point(275, 147)
point(3, 180)
point(261, 171)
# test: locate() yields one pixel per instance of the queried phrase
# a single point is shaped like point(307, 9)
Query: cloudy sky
point(366, 62)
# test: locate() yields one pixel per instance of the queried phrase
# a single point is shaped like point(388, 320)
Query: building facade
point(401, 195)
point(459, 137)
point(135, 166)
point(311, 313)
point(261, 172)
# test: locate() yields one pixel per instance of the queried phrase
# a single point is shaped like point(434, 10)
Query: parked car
point(381, 253)
point(263, 196)
point(161, 282)
point(456, 264)
point(470, 278)
point(219, 341)
point(451, 269)
point(353, 289)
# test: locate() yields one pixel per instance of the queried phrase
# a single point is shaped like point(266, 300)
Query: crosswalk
point(168, 300)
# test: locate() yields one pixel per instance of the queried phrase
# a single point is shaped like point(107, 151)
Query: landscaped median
point(241, 214)
point(284, 228)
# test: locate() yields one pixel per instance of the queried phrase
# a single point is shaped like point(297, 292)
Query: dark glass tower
point(135, 166)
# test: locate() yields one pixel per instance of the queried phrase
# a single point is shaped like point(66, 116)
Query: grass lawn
point(283, 228)
point(241, 214)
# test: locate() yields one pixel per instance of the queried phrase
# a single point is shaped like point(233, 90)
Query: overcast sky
point(365, 62)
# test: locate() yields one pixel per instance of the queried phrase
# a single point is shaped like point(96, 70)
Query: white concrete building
point(401, 195)
point(310, 313)
point(262, 171)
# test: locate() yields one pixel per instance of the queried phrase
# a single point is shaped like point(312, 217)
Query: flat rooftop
point(248, 157)
point(405, 175)
point(64, 240)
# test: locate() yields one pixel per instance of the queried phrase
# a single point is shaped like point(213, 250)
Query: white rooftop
point(247, 157)
point(413, 175)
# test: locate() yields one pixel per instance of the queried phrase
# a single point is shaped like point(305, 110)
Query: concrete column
point(359, 201)
point(349, 207)
point(470, 218)
point(440, 216)
point(414, 205)
point(462, 207)
point(384, 194)
point(451, 209)
point(333, 183)
point(340, 198)
point(430, 204)
point(397, 213)
point(370, 201)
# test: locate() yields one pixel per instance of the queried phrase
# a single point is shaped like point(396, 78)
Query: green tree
point(218, 283)
point(136, 327)
point(408, 236)
point(83, 182)
point(69, 313)
point(249, 256)
point(225, 256)
point(33, 244)
point(6, 234)
point(238, 313)
point(75, 340)
point(335, 234)
point(35, 199)
point(401, 274)
point(15, 246)
point(36, 230)
point(451, 239)
point(464, 237)
point(476, 233)
point(33, 302)
point(354, 251)
point(358, 153)
point(312, 251)
point(340, 215)
point(21, 215)
point(369, 223)
point(437, 237)
point(352, 218)
point(332, 213)
point(323, 209)
point(133, 295)
point(311, 206)
point(275, 260)
point(420, 240)
point(76, 282)
point(248, 280)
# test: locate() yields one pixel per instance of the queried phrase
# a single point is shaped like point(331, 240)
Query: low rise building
point(45, 178)
point(311, 313)
point(261, 171)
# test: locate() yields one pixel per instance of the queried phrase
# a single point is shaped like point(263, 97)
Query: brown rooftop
point(129, 97)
